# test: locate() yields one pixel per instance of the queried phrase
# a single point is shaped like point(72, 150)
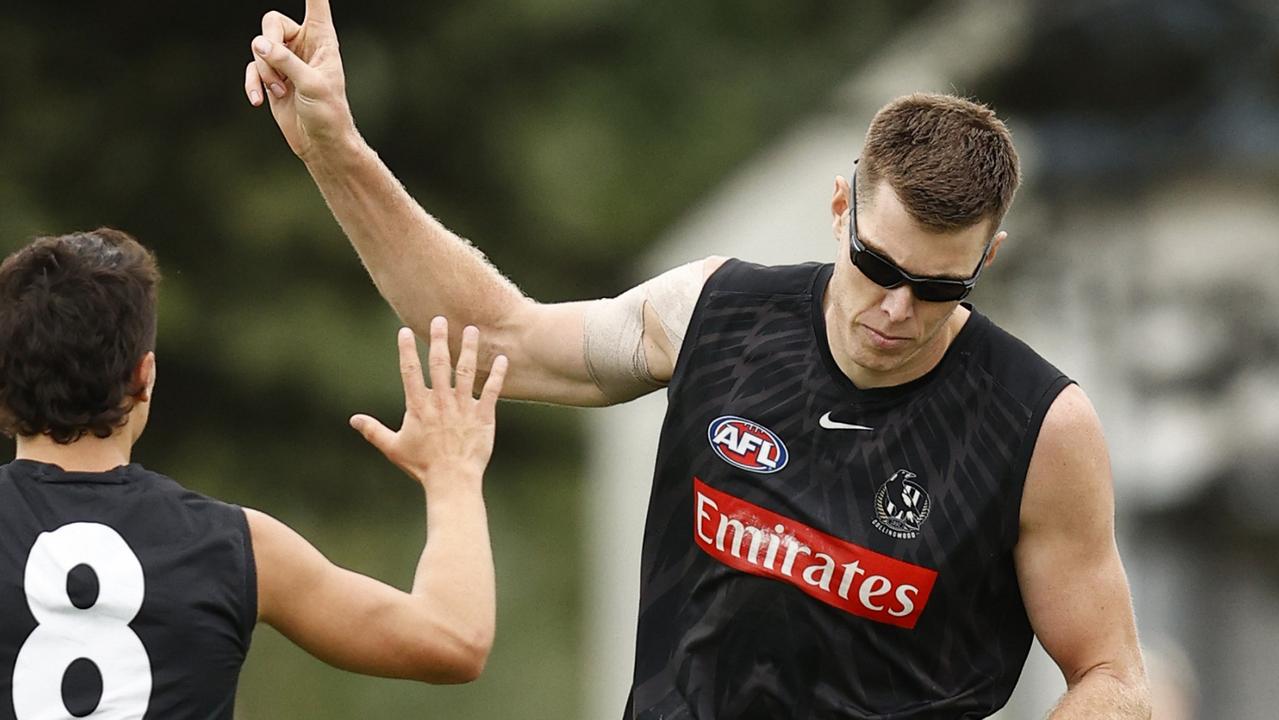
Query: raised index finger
point(318, 11)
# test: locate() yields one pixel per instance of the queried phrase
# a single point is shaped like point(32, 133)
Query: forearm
point(418, 265)
point(424, 270)
point(455, 576)
point(1105, 695)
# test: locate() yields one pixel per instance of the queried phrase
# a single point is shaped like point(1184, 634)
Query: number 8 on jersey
point(96, 630)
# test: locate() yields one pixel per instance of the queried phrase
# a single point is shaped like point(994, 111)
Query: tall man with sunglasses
point(867, 496)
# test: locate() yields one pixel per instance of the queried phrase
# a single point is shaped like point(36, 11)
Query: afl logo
point(747, 445)
point(901, 506)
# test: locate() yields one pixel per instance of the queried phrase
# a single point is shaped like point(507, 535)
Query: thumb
point(284, 61)
point(378, 435)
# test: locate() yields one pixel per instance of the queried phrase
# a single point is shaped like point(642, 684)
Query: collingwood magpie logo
point(901, 506)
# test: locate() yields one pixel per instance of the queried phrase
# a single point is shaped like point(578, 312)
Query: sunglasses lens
point(934, 291)
point(887, 275)
point(879, 272)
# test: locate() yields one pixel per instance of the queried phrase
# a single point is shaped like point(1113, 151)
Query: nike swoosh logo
point(829, 424)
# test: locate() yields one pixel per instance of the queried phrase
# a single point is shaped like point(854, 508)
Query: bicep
point(1073, 583)
point(599, 352)
point(343, 618)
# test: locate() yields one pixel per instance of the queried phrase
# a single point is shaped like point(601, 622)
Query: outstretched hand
point(298, 70)
point(446, 431)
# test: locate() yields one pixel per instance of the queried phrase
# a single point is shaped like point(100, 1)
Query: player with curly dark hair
point(124, 594)
point(77, 312)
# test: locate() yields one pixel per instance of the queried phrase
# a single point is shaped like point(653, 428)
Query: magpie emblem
point(901, 506)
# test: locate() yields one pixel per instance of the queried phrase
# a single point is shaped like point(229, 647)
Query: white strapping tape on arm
point(614, 330)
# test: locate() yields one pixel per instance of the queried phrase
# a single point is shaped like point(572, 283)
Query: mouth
point(884, 340)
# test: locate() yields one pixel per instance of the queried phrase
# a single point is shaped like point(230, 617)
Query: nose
point(898, 303)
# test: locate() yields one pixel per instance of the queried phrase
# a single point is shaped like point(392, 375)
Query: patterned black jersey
point(123, 596)
point(815, 550)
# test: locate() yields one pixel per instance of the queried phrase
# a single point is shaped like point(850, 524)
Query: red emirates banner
point(852, 578)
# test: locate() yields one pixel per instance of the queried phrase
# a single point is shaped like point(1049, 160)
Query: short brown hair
point(77, 314)
point(951, 161)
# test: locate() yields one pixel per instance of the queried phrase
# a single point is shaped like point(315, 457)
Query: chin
point(881, 361)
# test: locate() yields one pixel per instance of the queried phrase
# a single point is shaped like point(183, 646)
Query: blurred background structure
point(587, 145)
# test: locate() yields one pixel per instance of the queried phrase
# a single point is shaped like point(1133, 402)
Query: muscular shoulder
point(284, 559)
point(1068, 481)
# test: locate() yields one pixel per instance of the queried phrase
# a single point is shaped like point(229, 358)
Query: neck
point(88, 454)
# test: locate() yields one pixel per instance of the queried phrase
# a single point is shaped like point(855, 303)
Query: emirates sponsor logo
point(749, 538)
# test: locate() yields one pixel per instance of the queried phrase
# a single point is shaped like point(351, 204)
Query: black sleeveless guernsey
point(123, 595)
point(815, 550)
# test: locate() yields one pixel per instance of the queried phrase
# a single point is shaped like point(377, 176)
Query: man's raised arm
point(425, 270)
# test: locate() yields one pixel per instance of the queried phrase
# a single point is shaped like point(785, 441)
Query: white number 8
point(66, 633)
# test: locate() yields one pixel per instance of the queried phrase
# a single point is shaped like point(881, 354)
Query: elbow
point(469, 662)
point(1143, 705)
point(1127, 689)
point(462, 662)
point(1137, 704)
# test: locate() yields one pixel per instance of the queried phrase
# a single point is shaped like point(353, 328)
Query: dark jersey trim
point(1027, 450)
point(694, 330)
point(250, 611)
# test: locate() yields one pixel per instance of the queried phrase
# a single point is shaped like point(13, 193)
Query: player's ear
point(144, 377)
point(839, 205)
point(998, 240)
point(839, 197)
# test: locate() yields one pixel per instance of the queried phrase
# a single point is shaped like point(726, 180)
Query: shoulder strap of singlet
point(739, 276)
point(742, 278)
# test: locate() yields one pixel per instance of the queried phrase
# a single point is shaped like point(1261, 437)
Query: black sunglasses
point(885, 273)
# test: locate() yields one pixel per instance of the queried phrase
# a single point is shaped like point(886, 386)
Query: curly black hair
point(77, 314)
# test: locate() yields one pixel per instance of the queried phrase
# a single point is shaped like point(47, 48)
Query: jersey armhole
point(695, 327)
point(1021, 462)
point(249, 619)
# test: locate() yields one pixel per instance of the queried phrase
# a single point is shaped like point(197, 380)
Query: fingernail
point(255, 97)
point(261, 45)
point(277, 90)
